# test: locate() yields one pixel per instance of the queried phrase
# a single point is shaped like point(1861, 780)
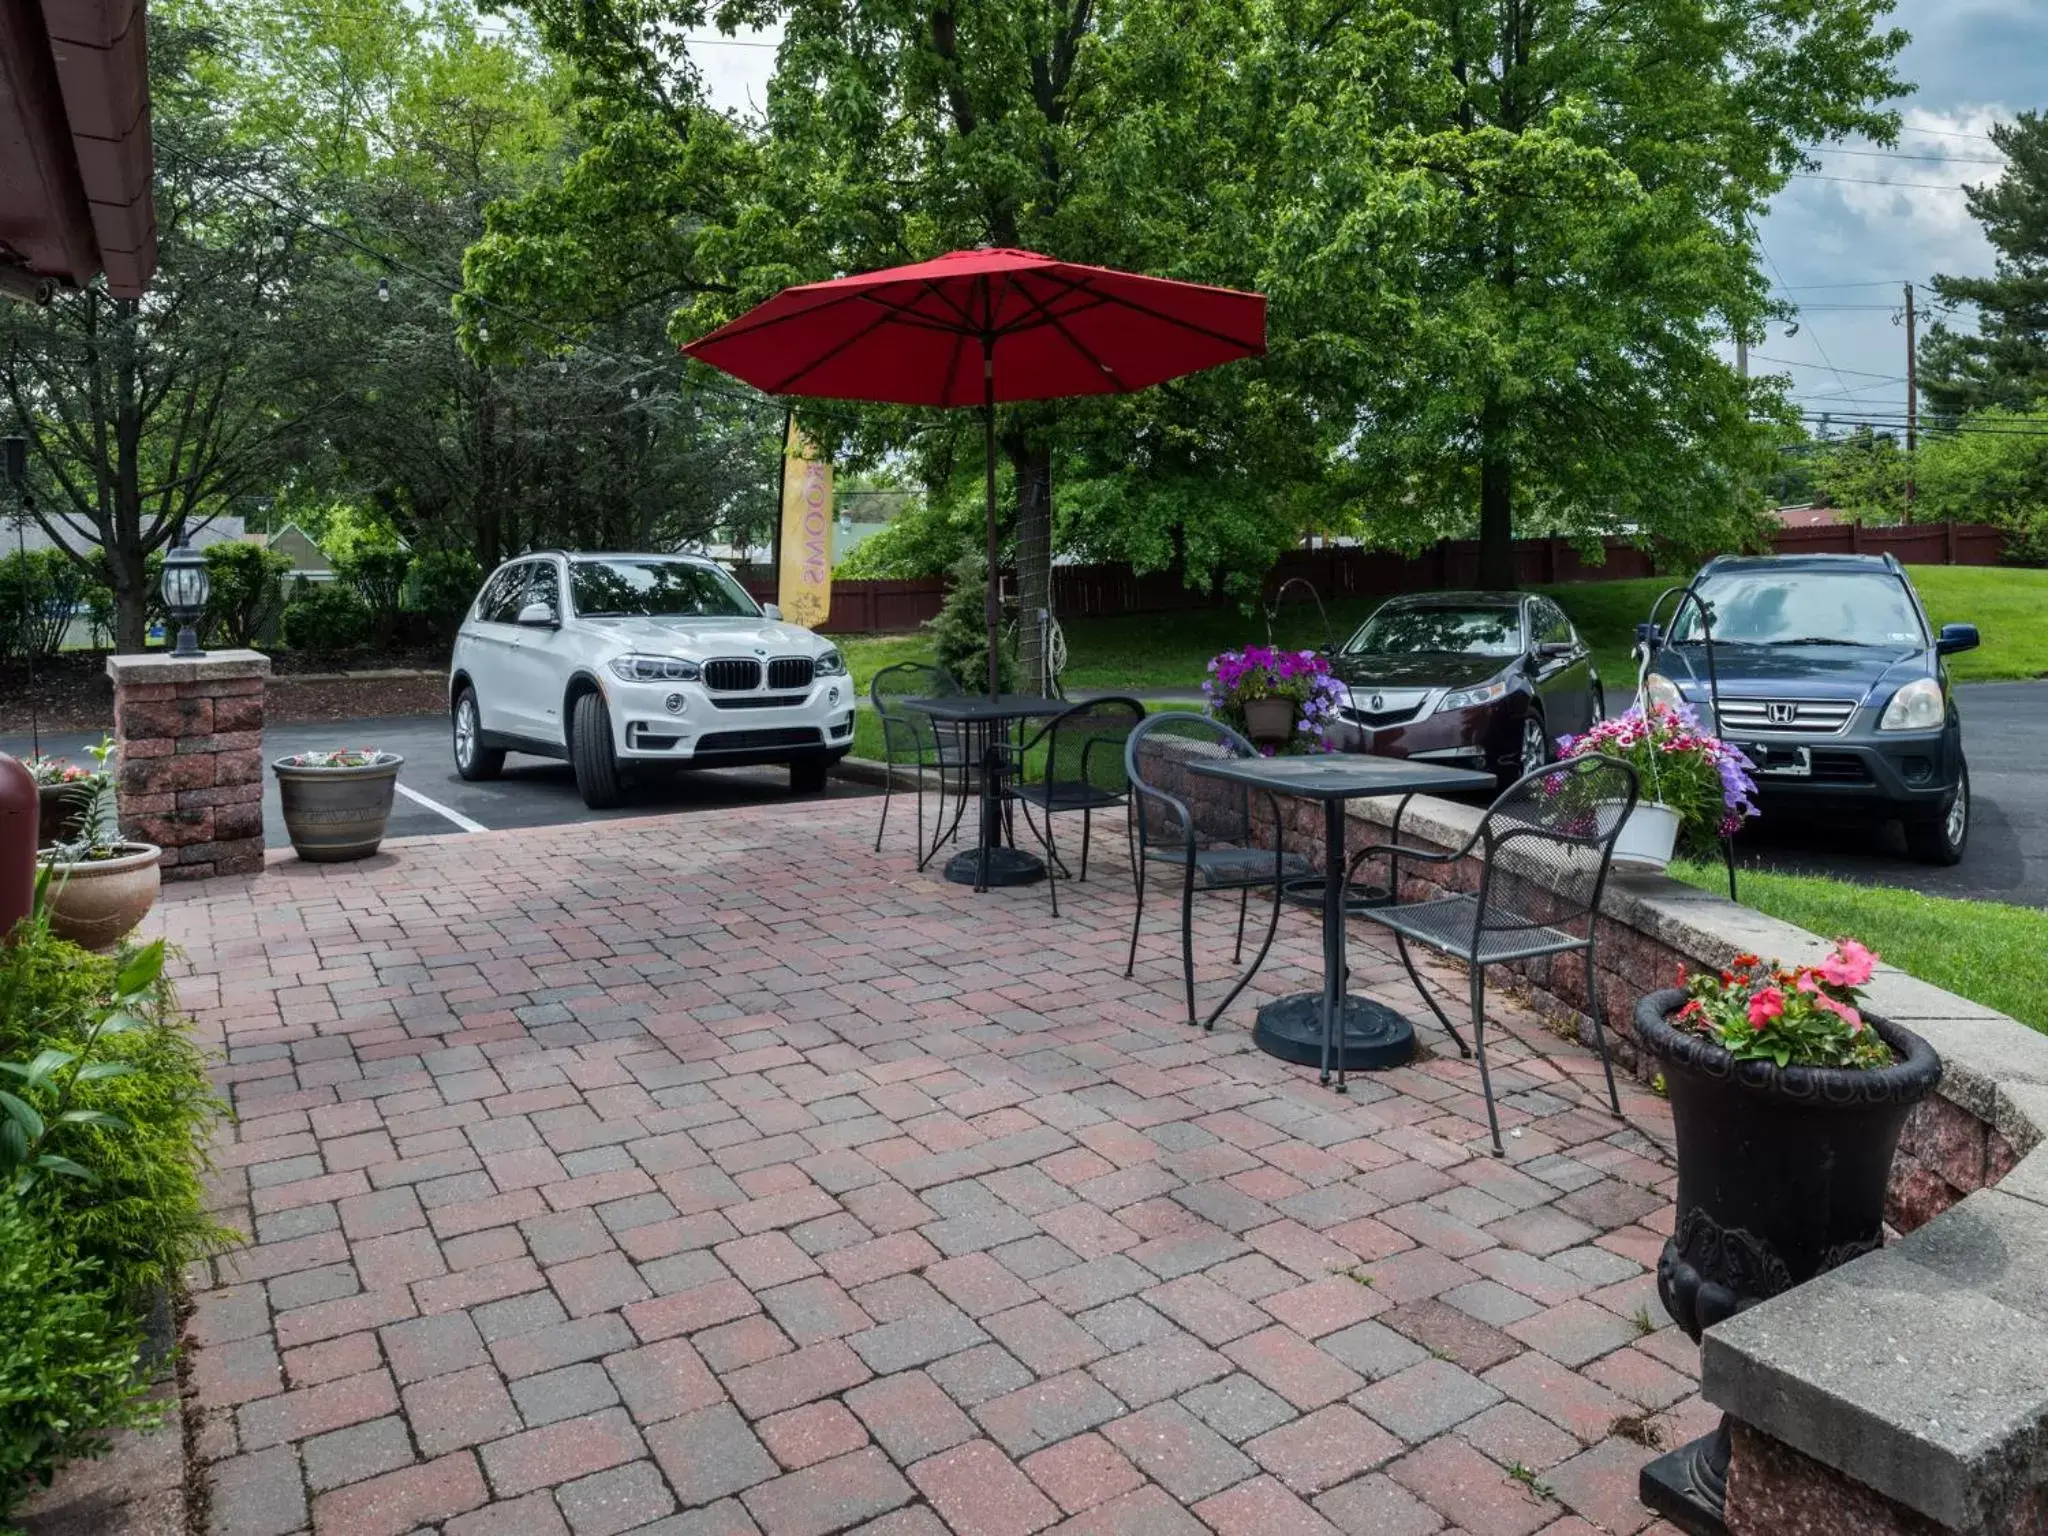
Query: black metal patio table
point(1298, 1028)
point(991, 861)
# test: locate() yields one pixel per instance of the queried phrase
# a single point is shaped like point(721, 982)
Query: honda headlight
point(1916, 707)
point(1659, 689)
point(654, 669)
point(1468, 698)
point(831, 664)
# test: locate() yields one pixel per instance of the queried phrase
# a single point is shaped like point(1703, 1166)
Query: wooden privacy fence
point(1103, 591)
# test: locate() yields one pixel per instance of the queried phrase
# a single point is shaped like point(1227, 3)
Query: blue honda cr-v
point(1831, 679)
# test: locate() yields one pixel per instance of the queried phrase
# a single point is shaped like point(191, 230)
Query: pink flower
point(1850, 965)
point(1840, 1010)
point(1766, 1006)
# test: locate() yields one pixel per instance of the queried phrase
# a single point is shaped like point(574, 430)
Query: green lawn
point(1989, 952)
point(1149, 652)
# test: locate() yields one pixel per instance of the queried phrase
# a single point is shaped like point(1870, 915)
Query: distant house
point(78, 536)
point(296, 545)
point(1812, 515)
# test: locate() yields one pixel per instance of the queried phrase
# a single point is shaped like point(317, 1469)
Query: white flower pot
point(1647, 837)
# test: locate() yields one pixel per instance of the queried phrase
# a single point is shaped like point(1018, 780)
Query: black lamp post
point(185, 589)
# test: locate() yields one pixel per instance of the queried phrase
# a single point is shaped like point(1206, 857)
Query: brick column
point(190, 737)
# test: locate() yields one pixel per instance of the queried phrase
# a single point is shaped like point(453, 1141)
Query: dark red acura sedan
point(1485, 680)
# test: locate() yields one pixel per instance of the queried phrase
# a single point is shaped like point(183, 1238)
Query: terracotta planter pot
point(336, 814)
point(1781, 1176)
point(1269, 721)
point(98, 902)
point(61, 810)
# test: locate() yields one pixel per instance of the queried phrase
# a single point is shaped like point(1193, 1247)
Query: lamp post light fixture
point(185, 590)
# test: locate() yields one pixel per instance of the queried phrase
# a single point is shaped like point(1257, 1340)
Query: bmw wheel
point(593, 756)
point(473, 760)
point(1942, 840)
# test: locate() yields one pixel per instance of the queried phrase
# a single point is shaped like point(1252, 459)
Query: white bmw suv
point(619, 660)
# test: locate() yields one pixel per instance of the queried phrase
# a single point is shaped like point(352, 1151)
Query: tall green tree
point(2006, 362)
point(147, 416)
point(1599, 171)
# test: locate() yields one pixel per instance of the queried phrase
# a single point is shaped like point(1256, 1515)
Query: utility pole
point(1912, 404)
point(1742, 358)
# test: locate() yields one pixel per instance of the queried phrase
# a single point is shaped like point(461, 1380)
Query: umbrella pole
point(990, 607)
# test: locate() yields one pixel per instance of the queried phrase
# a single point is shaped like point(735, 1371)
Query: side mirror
point(1956, 637)
point(771, 611)
point(1650, 635)
point(538, 616)
point(1551, 650)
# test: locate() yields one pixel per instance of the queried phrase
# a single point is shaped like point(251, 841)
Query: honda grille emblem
point(1781, 714)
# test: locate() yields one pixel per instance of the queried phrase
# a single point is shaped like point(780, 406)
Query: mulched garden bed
point(72, 692)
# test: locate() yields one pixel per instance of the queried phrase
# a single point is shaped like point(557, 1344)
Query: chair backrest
point(1174, 805)
point(1548, 840)
point(1085, 744)
point(910, 680)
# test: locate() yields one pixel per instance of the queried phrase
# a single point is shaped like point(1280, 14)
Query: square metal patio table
point(1300, 1028)
point(990, 861)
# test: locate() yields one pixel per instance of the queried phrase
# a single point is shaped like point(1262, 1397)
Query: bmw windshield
point(1780, 607)
point(657, 589)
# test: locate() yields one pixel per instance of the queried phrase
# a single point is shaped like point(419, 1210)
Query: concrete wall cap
point(162, 667)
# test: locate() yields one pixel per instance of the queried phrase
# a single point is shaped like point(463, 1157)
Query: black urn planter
point(1781, 1176)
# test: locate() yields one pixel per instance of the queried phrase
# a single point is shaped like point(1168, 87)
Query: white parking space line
point(438, 808)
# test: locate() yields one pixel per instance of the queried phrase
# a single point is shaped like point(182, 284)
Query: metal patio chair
point(1547, 843)
point(1074, 762)
point(1201, 828)
point(914, 741)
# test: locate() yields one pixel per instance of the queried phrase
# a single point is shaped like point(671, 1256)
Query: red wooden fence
point(899, 607)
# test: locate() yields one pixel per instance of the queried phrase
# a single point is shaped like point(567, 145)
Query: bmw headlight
point(1468, 698)
point(830, 664)
point(1916, 707)
point(654, 669)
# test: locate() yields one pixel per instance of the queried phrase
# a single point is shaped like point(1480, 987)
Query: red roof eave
point(75, 155)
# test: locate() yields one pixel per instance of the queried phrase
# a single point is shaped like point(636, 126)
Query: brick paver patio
point(711, 1174)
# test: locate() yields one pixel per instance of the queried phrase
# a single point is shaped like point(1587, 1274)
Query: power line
point(1893, 154)
point(1818, 345)
point(1872, 181)
point(1861, 373)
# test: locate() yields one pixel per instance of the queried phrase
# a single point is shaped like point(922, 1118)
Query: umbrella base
point(1006, 866)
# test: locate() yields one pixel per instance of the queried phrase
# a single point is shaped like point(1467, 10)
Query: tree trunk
point(124, 551)
point(1496, 502)
point(1031, 459)
point(128, 578)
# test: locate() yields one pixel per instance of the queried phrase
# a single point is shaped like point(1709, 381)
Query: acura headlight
point(831, 664)
point(654, 669)
point(1466, 698)
point(1916, 707)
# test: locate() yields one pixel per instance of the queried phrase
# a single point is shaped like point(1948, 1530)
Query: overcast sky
point(1869, 220)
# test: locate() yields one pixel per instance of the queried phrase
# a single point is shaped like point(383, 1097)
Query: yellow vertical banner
point(805, 580)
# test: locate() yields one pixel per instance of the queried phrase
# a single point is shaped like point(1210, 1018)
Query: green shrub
point(325, 617)
point(960, 632)
point(68, 1354)
point(39, 588)
point(378, 575)
point(148, 1111)
point(246, 592)
point(444, 583)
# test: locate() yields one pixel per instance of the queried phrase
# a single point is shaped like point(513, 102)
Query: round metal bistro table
point(991, 861)
point(1333, 1029)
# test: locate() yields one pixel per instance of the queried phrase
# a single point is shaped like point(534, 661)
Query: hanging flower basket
point(1692, 785)
point(1284, 701)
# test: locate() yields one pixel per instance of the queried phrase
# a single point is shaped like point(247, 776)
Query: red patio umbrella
point(980, 327)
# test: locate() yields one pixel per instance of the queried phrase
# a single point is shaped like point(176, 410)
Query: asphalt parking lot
point(534, 792)
point(2005, 729)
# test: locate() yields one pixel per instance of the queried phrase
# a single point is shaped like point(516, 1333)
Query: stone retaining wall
point(1906, 1393)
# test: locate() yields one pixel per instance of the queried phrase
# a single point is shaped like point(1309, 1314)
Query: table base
point(1006, 866)
point(1373, 1036)
point(1309, 891)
